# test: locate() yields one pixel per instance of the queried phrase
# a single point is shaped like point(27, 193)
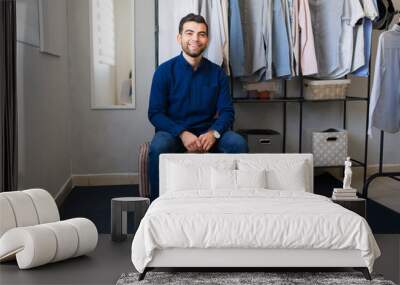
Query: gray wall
point(43, 109)
point(107, 141)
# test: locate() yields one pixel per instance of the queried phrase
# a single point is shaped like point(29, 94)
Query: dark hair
point(192, 18)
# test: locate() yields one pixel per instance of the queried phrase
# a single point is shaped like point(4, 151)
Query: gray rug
point(243, 278)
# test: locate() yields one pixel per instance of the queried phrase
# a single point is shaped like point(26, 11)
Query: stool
point(119, 208)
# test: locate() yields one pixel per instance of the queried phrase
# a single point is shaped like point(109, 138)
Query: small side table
point(358, 206)
point(119, 209)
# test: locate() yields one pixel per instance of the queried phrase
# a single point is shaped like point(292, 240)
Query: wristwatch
point(216, 134)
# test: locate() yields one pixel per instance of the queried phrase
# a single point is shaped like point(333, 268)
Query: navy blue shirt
point(196, 101)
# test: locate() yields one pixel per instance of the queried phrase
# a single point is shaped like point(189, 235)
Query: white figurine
point(347, 174)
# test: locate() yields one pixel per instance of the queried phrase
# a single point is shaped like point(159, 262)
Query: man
point(190, 105)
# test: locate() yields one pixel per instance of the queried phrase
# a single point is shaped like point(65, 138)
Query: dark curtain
point(8, 96)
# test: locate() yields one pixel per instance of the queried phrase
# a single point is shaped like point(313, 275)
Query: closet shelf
point(295, 100)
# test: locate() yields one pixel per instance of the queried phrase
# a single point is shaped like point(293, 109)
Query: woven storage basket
point(325, 89)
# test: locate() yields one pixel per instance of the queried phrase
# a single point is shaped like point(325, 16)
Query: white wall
point(43, 111)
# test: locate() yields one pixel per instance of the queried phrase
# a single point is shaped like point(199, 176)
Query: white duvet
point(252, 218)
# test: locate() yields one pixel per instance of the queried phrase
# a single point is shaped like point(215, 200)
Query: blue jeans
point(163, 142)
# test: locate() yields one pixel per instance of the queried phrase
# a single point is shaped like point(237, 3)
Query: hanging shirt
point(170, 14)
point(280, 42)
point(214, 15)
point(362, 47)
point(225, 46)
point(252, 24)
point(308, 57)
point(287, 7)
point(256, 21)
point(236, 40)
point(384, 110)
point(326, 19)
point(196, 101)
point(296, 37)
point(352, 13)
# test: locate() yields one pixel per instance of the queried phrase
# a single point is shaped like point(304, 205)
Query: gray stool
point(119, 209)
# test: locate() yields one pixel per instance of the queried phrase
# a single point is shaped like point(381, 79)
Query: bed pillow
point(223, 179)
point(227, 179)
point(293, 178)
point(186, 175)
point(251, 178)
point(289, 175)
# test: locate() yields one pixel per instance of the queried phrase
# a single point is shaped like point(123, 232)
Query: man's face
point(194, 38)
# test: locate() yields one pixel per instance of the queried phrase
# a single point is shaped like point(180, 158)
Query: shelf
point(355, 163)
point(295, 100)
point(272, 100)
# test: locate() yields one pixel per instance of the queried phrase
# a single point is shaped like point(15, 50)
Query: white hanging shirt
point(384, 108)
point(216, 15)
point(170, 14)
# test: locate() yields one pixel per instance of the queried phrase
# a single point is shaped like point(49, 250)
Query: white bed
point(203, 220)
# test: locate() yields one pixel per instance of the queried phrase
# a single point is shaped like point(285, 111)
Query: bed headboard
point(209, 158)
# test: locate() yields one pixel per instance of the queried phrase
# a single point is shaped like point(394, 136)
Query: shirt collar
point(186, 64)
point(396, 27)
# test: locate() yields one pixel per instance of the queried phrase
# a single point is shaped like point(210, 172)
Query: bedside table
point(358, 205)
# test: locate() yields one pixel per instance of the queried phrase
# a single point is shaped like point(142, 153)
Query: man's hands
point(192, 143)
point(207, 140)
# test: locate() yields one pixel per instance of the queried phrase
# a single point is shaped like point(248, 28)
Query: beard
point(191, 53)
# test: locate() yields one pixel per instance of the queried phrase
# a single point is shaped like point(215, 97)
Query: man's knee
point(163, 142)
point(232, 142)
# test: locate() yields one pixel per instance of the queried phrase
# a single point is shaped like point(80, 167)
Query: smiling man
point(190, 105)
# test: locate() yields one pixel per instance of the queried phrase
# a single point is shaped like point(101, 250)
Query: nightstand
point(358, 205)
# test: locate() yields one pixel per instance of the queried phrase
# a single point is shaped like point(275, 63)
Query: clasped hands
point(202, 143)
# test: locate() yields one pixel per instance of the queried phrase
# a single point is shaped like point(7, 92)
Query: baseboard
point(374, 168)
point(63, 192)
point(105, 179)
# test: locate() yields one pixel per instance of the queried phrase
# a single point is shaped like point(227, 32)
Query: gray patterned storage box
point(329, 147)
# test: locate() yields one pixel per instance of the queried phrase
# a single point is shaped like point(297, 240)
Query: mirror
point(112, 54)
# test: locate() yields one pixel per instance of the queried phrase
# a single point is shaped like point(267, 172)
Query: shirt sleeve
point(158, 105)
point(356, 12)
point(376, 85)
point(370, 9)
point(225, 111)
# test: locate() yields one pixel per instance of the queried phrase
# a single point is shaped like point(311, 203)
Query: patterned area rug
point(243, 278)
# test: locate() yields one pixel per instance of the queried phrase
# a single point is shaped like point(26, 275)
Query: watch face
point(216, 135)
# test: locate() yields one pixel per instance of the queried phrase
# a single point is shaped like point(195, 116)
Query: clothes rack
point(380, 173)
point(301, 101)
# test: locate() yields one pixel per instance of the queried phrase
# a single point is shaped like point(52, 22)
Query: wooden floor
point(111, 259)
